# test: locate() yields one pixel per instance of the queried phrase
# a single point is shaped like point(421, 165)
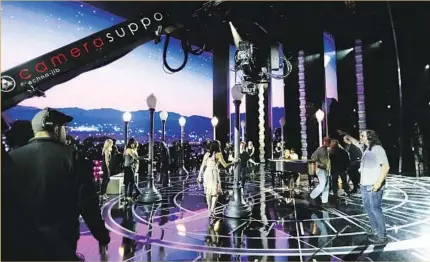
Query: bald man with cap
point(56, 186)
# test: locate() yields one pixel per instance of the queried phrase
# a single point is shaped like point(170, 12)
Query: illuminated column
point(360, 85)
point(302, 99)
point(261, 122)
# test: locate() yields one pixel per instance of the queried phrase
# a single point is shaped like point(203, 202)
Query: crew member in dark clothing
point(165, 164)
point(355, 160)
point(339, 163)
point(55, 187)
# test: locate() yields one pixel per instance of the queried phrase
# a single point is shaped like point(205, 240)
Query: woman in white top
point(209, 171)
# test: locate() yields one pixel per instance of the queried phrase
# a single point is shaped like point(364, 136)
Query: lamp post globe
point(163, 116)
point(126, 117)
point(150, 194)
point(237, 207)
point(182, 170)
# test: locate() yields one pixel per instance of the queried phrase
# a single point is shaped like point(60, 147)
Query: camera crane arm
point(38, 75)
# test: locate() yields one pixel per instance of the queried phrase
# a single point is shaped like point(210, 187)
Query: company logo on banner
point(96, 48)
point(8, 84)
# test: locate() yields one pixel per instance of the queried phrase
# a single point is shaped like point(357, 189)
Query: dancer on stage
point(321, 157)
point(209, 171)
point(374, 169)
point(107, 156)
point(131, 166)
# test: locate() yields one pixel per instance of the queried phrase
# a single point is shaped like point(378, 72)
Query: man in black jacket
point(56, 186)
point(355, 156)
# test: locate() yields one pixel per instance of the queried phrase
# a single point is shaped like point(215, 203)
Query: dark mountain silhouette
point(199, 125)
point(99, 117)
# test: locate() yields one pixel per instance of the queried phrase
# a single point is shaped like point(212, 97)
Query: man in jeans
point(321, 157)
point(374, 170)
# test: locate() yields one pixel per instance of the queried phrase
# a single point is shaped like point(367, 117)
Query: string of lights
point(360, 85)
point(302, 99)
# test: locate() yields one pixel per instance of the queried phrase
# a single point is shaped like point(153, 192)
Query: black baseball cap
point(52, 115)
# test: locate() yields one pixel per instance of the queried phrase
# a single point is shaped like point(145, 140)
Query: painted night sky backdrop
point(30, 29)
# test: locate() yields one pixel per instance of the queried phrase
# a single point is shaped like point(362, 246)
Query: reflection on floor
point(282, 228)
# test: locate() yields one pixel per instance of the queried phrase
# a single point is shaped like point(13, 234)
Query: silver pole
point(399, 75)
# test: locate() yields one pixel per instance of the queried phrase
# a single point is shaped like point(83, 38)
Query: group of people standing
point(366, 163)
point(131, 167)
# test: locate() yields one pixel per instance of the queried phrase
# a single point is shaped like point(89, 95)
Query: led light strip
point(360, 85)
point(302, 99)
point(261, 127)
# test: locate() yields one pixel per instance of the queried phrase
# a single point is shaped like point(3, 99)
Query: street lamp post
point(182, 170)
point(214, 122)
point(150, 194)
point(282, 123)
point(320, 116)
point(243, 124)
point(163, 116)
point(237, 207)
point(127, 118)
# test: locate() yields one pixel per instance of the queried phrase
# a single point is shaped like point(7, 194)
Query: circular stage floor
point(283, 227)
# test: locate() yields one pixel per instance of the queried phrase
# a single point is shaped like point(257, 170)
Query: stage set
point(313, 70)
point(281, 227)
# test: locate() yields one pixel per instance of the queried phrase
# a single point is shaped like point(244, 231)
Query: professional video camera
point(253, 64)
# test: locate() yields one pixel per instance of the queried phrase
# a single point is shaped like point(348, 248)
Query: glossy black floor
point(282, 228)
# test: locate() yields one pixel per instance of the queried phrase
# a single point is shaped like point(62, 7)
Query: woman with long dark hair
point(209, 171)
point(374, 169)
point(131, 166)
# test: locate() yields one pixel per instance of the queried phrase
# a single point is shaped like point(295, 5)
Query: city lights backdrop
point(97, 99)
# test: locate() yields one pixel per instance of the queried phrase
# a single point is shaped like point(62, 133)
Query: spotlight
point(427, 67)
point(380, 41)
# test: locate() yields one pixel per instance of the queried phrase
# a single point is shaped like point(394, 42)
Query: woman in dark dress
point(131, 166)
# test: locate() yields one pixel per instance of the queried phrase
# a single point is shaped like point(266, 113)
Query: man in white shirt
point(374, 169)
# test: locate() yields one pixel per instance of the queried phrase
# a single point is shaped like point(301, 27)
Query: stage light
point(388, 106)
point(427, 67)
point(343, 53)
point(376, 44)
point(235, 34)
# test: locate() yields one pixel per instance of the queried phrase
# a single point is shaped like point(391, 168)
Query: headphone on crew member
point(47, 121)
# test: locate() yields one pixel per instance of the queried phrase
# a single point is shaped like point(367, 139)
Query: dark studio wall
point(382, 97)
point(347, 93)
point(221, 91)
point(315, 91)
point(292, 110)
